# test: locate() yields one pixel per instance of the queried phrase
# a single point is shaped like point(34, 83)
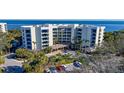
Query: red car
point(60, 68)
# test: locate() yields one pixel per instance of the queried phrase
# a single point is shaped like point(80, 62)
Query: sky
point(111, 25)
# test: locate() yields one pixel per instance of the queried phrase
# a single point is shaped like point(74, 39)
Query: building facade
point(3, 27)
point(90, 35)
point(37, 37)
point(63, 34)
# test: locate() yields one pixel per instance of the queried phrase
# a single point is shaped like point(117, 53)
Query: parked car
point(47, 70)
point(53, 70)
point(77, 64)
point(65, 52)
point(60, 68)
point(64, 68)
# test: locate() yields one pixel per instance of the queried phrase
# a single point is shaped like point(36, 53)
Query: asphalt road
point(12, 65)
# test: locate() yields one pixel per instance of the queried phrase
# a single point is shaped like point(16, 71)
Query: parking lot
point(12, 65)
point(68, 68)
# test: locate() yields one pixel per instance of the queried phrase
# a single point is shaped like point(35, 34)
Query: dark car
point(58, 68)
point(76, 64)
point(64, 68)
point(53, 69)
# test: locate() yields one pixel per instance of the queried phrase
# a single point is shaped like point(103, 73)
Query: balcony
point(78, 29)
point(44, 33)
point(55, 29)
point(45, 44)
point(44, 36)
point(46, 39)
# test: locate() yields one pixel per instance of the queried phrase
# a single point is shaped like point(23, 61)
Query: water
point(111, 25)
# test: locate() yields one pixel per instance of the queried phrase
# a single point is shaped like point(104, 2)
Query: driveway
point(12, 65)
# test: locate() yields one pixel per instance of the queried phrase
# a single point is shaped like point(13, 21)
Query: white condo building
point(91, 36)
point(3, 27)
point(63, 33)
point(41, 36)
point(37, 37)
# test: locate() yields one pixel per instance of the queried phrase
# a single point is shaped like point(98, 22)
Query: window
point(94, 30)
point(54, 32)
point(28, 35)
point(28, 39)
point(44, 35)
point(45, 30)
point(68, 32)
point(93, 42)
point(92, 45)
point(93, 38)
point(54, 29)
point(79, 29)
point(28, 31)
point(23, 42)
point(29, 47)
point(45, 46)
point(94, 34)
point(29, 43)
point(69, 35)
point(68, 29)
point(68, 39)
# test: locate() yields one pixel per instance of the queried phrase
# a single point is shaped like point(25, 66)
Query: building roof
point(27, 26)
point(2, 23)
point(57, 46)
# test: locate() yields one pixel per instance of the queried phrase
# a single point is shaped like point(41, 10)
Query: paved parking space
point(12, 65)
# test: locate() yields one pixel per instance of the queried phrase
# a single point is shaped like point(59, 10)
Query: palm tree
point(8, 46)
point(87, 43)
point(55, 41)
point(80, 42)
point(76, 43)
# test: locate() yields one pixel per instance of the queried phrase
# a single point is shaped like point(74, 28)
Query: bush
point(24, 54)
point(47, 50)
point(2, 60)
point(1, 70)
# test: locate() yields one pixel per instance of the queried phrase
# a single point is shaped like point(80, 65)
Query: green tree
point(47, 50)
point(27, 67)
point(2, 60)
point(7, 38)
point(24, 54)
point(2, 42)
point(55, 41)
point(37, 64)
